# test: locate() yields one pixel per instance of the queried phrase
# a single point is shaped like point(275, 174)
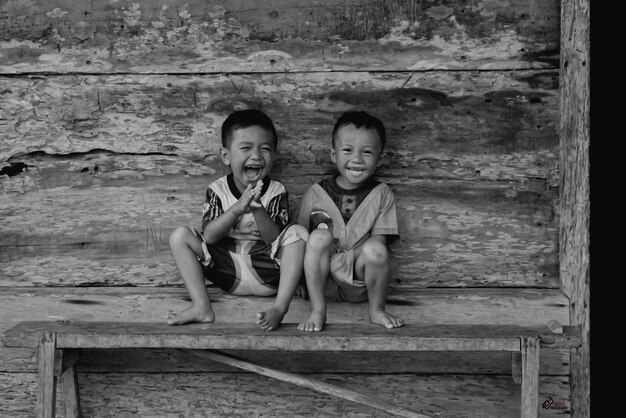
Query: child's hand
point(250, 198)
point(256, 197)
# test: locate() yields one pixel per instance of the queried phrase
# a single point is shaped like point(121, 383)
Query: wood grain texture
point(530, 376)
point(574, 228)
point(116, 235)
point(276, 36)
point(452, 306)
point(102, 168)
point(335, 337)
point(454, 125)
point(552, 362)
point(46, 380)
point(425, 306)
point(228, 394)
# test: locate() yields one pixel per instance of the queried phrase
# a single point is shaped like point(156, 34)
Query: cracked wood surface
point(100, 169)
point(171, 36)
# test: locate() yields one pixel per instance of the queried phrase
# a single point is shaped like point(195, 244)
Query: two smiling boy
point(248, 247)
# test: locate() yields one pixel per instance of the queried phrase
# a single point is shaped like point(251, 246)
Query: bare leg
point(316, 268)
point(291, 257)
point(186, 247)
point(372, 266)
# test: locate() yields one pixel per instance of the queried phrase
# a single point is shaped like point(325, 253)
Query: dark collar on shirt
point(366, 187)
point(235, 191)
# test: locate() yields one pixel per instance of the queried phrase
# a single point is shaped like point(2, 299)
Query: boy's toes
point(305, 326)
point(393, 322)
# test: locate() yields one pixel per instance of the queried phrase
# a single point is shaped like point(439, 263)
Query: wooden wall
point(110, 114)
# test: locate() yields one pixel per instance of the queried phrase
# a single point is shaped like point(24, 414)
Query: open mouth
point(252, 171)
point(356, 171)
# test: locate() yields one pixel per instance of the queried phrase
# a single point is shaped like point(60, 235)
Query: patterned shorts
point(244, 267)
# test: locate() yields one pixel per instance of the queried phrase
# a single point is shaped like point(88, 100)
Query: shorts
point(342, 286)
point(247, 267)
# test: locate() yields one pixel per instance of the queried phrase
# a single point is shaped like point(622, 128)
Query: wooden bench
point(59, 344)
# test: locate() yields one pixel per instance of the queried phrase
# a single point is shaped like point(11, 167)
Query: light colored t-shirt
point(223, 193)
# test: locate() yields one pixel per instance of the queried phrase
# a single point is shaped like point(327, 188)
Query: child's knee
point(180, 236)
point(374, 253)
point(320, 239)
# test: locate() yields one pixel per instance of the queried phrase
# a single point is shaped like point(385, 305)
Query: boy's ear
point(333, 157)
point(224, 156)
point(380, 159)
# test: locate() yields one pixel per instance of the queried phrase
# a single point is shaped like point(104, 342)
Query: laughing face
point(250, 155)
point(356, 153)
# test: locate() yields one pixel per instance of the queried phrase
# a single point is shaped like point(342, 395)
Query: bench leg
point(530, 376)
point(69, 384)
point(46, 381)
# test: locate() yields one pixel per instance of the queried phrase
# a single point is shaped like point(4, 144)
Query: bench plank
point(418, 306)
point(335, 337)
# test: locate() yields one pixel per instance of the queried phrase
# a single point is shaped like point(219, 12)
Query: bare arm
point(216, 229)
point(250, 200)
point(268, 229)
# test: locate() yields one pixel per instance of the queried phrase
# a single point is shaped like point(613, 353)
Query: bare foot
point(385, 319)
point(315, 322)
point(191, 314)
point(270, 319)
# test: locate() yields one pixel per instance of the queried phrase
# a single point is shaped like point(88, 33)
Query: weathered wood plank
point(46, 381)
point(472, 138)
point(194, 394)
point(117, 234)
point(452, 306)
point(503, 306)
point(574, 205)
point(530, 376)
point(336, 337)
point(552, 362)
point(425, 306)
point(467, 125)
point(287, 35)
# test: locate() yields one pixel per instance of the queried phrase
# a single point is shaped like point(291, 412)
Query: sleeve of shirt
point(212, 207)
point(387, 222)
point(278, 209)
point(303, 214)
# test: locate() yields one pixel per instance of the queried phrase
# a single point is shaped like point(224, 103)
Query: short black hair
point(361, 119)
point(244, 119)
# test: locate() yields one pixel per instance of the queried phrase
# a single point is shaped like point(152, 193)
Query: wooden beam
point(530, 377)
point(69, 384)
point(315, 385)
point(574, 171)
point(46, 386)
point(336, 337)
